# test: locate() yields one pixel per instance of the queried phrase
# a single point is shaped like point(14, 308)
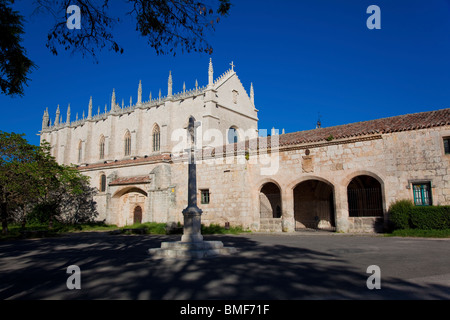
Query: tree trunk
point(4, 217)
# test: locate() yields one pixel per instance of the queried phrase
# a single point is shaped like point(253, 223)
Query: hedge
point(404, 215)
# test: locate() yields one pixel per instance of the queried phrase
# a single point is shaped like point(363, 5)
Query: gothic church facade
point(339, 178)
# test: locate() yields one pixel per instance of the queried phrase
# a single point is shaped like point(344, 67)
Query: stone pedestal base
point(191, 250)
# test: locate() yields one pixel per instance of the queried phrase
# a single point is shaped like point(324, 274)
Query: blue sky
point(304, 57)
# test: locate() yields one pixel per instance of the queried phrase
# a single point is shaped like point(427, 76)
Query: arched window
point(127, 143)
point(102, 147)
point(156, 139)
point(80, 151)
point(103, 183)
point(233, 135)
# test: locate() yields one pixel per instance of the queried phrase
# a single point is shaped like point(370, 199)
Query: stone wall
point(394, 160)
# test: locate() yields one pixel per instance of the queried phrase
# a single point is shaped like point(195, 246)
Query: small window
point(422, 194)
point(447, 145)
point(233, 135)
point(102, 183)
point(205, 196)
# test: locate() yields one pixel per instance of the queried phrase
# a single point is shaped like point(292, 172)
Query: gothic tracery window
point(156, 139)
point(80, 151)
point(102, 148)
point(127, 144)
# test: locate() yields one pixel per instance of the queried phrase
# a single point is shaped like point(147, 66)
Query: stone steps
point(270, 225)
point(191, 250)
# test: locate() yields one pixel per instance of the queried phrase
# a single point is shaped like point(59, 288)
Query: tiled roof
point(406, 122)
point(138, 160)
point(353, 130)
point(130, 180)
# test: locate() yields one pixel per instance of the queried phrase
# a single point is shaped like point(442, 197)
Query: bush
point(404, 215)
point(430, 218)
point(41, 213)
point(399, 214)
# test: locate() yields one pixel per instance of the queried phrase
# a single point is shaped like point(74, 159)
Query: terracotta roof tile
point(130, 180)
point(150, 159)
point(379, 126)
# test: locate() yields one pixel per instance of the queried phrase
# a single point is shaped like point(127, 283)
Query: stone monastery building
point(341, 178)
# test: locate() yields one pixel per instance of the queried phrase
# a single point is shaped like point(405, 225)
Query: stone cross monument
point(192, 214)
point(191, 245)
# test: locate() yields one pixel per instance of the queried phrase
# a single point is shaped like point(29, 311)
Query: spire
point(139, 97)
point(98, 111)
point(252, 94)
point(131, 101)
point(150, 97)
point(45, 119)
point(57, 116)
point(170, 83)
point(184, 87)
point(123, 103)
point(159, 94)
point(68, 115)
point(210, 74)
point(113, 100)
point(196, 85)
point(90, 109)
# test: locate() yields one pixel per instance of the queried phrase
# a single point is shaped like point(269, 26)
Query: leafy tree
point(30, 177)
point(14, 65)
point(16, 167)
point(168, 26)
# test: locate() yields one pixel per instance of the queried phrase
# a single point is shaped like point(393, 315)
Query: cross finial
point(232, 66)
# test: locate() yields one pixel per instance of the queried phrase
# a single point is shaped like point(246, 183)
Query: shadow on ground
point(119, 267)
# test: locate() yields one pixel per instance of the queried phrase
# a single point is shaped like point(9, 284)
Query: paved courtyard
point(267, 266)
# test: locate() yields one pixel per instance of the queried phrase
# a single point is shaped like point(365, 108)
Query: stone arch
point(124, 202)
point(314, 204)
point(365, 196)
point(270, 206)
point(270, 200)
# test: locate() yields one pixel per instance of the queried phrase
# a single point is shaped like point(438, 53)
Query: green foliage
point(445, 233)
point(218, 229)
point(14, 64)
point(330, 138)
point(399, 213)
point(404, 215)
point(430, 218)
point(32, 181)
point(42, 213)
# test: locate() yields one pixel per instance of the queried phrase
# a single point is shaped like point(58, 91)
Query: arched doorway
point(364, 197)
point(270, 207)
point(314, 206)
point(137, 215)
